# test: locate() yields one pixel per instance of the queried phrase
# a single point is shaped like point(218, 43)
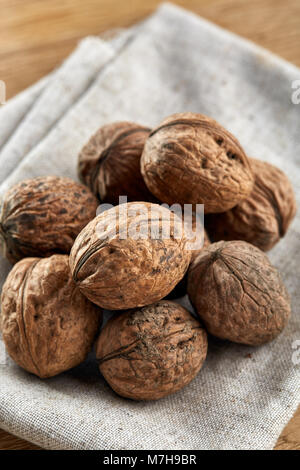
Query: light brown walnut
point(148, 353)
point(125, 259)
point(110, 162)
point(190, 158)
point(263, 217)
point(238, 294)
point(43, 216)
point(48, 326)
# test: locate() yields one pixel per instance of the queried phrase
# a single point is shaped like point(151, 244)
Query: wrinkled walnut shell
point(238, 294)
point(264, 217)
point(115, 270)
point(43, 216)
point(48, 326)
point(149, 353)
point(190, 158)
point(110, 163)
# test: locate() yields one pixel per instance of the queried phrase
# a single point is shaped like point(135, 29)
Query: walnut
point(264, 217)
point(110, 163)
point(125, 258)
point(190, 158)
point(148, 353)
point(43, 216)
point(48, 326)
point(238, 293)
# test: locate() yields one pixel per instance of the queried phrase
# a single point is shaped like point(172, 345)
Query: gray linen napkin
point(243, 396)
point(15, 110)
point(70, 81)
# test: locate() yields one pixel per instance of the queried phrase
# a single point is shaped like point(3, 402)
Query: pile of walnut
point(71, 264)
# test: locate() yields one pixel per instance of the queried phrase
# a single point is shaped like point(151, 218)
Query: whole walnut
point(190, 158)
point(148, 353)
point(264, 217)
point(110, 163)
point(48, 326)
point(238, 294)
point(125, 257)
point(43, 216)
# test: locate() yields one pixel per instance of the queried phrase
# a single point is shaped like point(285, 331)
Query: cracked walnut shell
point(148, 353)
point(238, 294)
point(190, 159)
point(264, 216)
point(124, 259)
point(48, 326)
point(43, 216)
point(110, 162)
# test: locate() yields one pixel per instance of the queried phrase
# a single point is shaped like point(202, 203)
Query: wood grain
point(37, 35)
point(10, 442)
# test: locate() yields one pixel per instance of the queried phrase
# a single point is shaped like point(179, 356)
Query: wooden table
point(36, 36)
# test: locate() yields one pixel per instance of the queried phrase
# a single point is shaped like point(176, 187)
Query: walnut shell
point(110, 163)
point(48, 326)
point(238, 294)
point(118, 271)
point(264, 217)
point(43, 216)
point(190, 158)
point(149, 353)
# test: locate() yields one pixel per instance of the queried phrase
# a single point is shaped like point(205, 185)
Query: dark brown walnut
point(43, 216)
point(125, 257)
point(152, 352)
point(48, 326)
point(190, 158)
point(238, 294)
point(264, 217)
point(110, 163)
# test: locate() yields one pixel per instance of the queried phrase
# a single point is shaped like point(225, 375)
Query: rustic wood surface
point(37, 35)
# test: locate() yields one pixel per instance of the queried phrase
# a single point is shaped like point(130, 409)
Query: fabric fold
point(69, 83)
point(12, 114)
